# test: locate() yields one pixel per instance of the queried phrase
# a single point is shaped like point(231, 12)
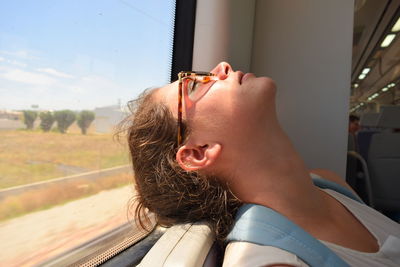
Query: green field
point(32, 156)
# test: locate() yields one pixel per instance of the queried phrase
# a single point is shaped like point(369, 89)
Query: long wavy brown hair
point(163, 187)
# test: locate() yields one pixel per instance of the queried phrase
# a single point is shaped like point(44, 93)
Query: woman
point(229, 149)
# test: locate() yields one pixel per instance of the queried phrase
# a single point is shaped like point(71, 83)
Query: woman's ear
point(194, 158)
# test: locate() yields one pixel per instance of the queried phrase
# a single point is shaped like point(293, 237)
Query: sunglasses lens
point(193, 89)
point(196, 88)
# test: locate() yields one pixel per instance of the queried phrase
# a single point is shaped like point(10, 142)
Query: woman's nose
point(222, 70)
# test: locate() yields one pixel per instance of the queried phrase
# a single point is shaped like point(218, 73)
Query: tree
point(64, 119)
point(29, 118)
point(46, 120)
point(85, 118)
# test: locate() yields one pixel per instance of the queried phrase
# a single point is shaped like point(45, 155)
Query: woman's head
point(186, 183)
point(229, 112)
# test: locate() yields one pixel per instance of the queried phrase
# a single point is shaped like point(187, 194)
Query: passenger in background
point(205, 145)
point(354, 127)
point(353, 167)
point(354, 124)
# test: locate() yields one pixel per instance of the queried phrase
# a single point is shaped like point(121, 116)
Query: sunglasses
point(192, 86)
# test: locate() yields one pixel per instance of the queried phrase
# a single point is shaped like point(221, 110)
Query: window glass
point(67, 70)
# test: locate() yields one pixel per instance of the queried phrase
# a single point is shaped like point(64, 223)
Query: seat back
point(351, 143)
point(182, 245)
point(368, 122)
point(389, 117)
point(384, 167)
point(351, 163)
point(363, 142)
point(384, 161)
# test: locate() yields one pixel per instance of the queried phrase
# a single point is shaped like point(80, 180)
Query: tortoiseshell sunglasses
point(193, 85)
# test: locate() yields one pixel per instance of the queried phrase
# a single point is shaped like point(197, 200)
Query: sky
point(73, 54)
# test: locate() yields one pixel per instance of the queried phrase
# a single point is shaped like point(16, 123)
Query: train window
point(67, 68)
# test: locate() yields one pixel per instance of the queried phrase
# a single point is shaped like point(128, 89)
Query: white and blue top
point(247, 251)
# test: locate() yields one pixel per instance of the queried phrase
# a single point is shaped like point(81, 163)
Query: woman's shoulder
point(332, 176)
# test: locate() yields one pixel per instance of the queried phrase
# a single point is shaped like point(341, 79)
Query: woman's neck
point(271, 173)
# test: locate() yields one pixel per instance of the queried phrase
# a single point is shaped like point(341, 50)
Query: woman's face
point(230, 110)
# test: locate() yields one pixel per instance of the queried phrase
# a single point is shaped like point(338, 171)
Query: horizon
point(54, 110)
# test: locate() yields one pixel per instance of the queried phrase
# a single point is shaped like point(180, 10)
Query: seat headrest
point(369, 119)
point(389, 117)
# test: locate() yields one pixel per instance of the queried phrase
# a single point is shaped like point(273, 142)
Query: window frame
point(182, 51)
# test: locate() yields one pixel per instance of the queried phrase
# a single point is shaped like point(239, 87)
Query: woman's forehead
point(168, 94)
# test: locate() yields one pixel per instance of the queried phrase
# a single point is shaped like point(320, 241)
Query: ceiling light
point(355, 85)
point(361, 76)
point(361, 104)
point(396, 26)
point(388, 40)
point(391, 85)
point(365, 71)
point(384, 89)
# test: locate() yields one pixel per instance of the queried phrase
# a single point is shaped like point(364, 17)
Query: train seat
point(189, 245)
point(384, 163)
point(368, 122)
point(357, 173)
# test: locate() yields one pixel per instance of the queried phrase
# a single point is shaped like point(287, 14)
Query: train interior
point(330, 59)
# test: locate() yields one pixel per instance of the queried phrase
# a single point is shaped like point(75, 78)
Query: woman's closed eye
point(198, 87)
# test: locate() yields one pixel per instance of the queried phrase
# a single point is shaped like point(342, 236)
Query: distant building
point(107, 118)
point(10, 114)
point(11, 120)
